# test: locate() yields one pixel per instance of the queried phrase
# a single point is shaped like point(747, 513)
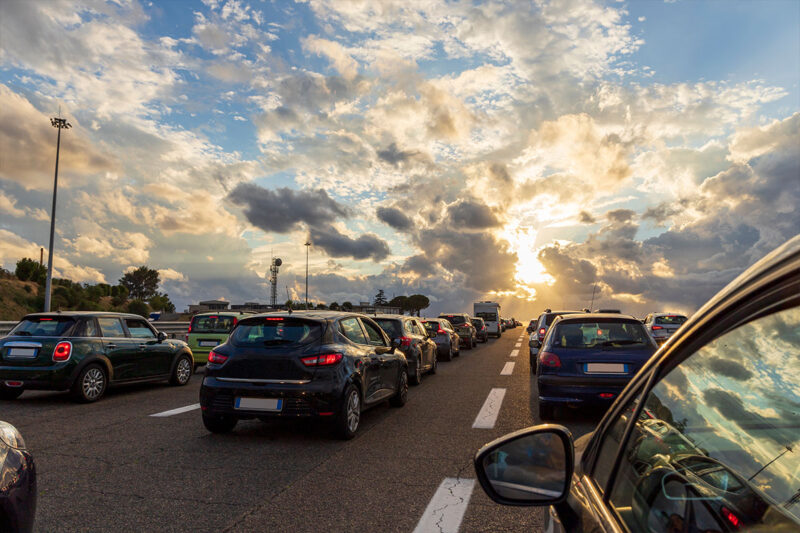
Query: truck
point(490, 313)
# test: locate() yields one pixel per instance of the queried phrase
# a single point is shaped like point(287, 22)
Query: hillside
point(17, 298)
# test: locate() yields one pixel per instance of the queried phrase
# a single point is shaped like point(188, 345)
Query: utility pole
point(307, 245)
point(60, 124)
point(591, 306)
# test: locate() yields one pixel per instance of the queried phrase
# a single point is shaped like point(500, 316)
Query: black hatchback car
point(17, 482)
point(322, 364)
point(704, 438)
point(415, 341)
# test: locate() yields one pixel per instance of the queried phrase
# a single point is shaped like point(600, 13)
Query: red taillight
point(45, 319)
point(440, 331)
point(657, 327)
point(273, 319)
point(190, 329)
point(405, 342)
point(62, 352)
point(325, 359)
point(606, 395)
point(542, 331)
point(216, 358)
point(730, 517)
point(549, 359)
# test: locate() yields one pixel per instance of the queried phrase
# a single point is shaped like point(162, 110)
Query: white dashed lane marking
point(447, 507)
point(178, 411)
point(487, 417)
point(514, 353)
point(507, 369)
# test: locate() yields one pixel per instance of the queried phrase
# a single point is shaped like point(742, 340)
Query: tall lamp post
point(59, 124)
point(307, 245)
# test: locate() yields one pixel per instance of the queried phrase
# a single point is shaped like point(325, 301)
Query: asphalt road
point(110, 466)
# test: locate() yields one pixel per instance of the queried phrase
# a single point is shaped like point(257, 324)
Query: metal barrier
point(174, 330)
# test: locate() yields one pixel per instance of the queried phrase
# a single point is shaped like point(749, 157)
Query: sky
point(533, 153)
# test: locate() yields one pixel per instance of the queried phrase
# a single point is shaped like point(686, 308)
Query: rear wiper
point(273, 342)
point(626, 341)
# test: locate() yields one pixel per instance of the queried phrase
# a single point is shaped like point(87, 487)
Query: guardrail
point(174, 330)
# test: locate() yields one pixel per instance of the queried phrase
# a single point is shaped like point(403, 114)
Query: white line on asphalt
point(179, 410)
point(447, 507)
point(518, 345)
point(514, 353)
point(491, 408)
point(507, 369)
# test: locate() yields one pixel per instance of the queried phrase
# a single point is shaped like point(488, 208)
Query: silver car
point(661, 326)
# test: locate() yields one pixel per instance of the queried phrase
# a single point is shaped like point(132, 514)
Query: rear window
point(487, 315)
point(275, 331)
point(456, 319)
point(672, 320)
point(431, 325)
point(212, 324)
point(600, 334)
point(43, 326)
point(549, 317)
point(391, 327)
point(477, 323)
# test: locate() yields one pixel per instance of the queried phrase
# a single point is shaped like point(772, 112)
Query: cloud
point(394, 217)
point(336, 244)
point(334, 51)
point(472, 215)
point(13, 248)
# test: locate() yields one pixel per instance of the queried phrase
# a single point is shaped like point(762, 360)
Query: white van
point(490, 313)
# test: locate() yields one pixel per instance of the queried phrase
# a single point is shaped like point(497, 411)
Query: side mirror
point(396, 343)
point(162, 336)
point(530, 467)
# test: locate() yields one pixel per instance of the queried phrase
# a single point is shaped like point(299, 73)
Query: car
point(17, 482)
point(531, 325)
point(481, 331)
point(324, 365)
point(536, 337)
point(703, 438)
point(588, 358)
point(415, 341)
point(87, 352)
point(207, 330)
point(662, 325)
point(448, 343)
point(463, 326)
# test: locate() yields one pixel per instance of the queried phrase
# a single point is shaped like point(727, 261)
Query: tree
point(289, 303)
point(401, 302)
point(380, 298)
point(161, 302)
point(418, 302)
point(142, 283)
point(138, 307)
point(30, 270)
point(347, 306)
point(321, 306)
point(119, 295)
point(334, 306)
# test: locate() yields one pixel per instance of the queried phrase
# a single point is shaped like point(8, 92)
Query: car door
point(389, 361)
point(370, 364)
point(155, 358)
point(121, 350)
point(428, 347)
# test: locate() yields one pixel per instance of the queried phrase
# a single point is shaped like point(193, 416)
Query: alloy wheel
point(353, 411)
point(93, 383)
point(184, 371)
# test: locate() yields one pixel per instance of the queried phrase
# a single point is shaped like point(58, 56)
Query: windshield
point(212, 324)
point(600, 334)
point(672, 320)
point(268, 331)
point(43, 326)
point(456, 319)
point(390, 326)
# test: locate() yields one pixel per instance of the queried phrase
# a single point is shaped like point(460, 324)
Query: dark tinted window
point(54, 326)
point(373, 333)
point(431, 325)
point(87, 328)
point(477, 323)
point(351, 328)
point(593, 334)
point(487, 315)
point(274, 331)
point(672, 320)
point(111, 327)
point(139, 329)
point(212, 324)
point(456, 319)
point(391, 326)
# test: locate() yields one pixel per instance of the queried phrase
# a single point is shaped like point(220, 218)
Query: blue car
point(589, 358)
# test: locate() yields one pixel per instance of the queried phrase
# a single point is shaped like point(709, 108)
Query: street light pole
point(307, 245)
point(59, 124)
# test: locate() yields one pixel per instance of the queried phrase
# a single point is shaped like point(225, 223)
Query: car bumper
point(310, 399)
point(56, 377)
point(563, 389)
point(18, 499)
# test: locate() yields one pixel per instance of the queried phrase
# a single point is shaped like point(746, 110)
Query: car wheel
point(449, 355)
point(547, 412)
point(182, 372)
point(90, 385)
point(219, 423)
point(534, 360)
point(433, 364)
point(416, 379)
point(8, 393)
point(349, 416)
point(400, 399)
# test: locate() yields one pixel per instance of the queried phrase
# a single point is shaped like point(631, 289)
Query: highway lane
point(111, 465)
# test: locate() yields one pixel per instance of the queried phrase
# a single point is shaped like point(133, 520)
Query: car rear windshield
point(212, 324)
point(477, 323)
point(489, 316)
point(390, 326)
point(43, 326)
point(600, 334)
point(549, 317)
point(456, 319)
point(431, 325)
point(671, 320)
point(275, 331)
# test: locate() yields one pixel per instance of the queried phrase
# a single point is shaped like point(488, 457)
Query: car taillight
point(606, 395)
point(549, 359)
point(216, 358)
point(405, 342)
point(657, 327)
point(62, 352)
point(542, 331)
point(325, 359)
point(730, 517)
point(190, 328)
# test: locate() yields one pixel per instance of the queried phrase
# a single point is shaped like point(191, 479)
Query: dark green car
point(85, 352)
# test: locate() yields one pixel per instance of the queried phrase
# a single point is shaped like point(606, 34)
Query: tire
point(182, 373)
point(400, 399)
point(219, 423)
point(534, 361)
point(457, 352)
point(449, 356)
point(8, 393)
point(416, 379)
point(547, 412)
point(348, 418)
point(91, 384)
point(432, 371)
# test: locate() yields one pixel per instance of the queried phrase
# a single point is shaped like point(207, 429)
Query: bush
point(30, 270)
point(138, 307)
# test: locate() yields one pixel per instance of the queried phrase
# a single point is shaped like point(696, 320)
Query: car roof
point(217, 313)
point(668, 314)
point(85, 313)
point(580, 317)
point(315, 314)
point(387, 315)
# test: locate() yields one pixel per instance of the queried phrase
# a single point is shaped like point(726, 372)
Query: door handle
point(111, 345)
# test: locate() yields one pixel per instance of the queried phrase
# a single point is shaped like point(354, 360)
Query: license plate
point(208, 343)
point(259, 404)
point(22, 352)
point(606, 368)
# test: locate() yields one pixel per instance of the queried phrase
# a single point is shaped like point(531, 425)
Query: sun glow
point(529, 270)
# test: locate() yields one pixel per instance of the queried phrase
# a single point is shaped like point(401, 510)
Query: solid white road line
point(447, 507)
point(487, 416)
point(507, 369)
point(514, 353)
point(179, 410)
point(518, 345)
